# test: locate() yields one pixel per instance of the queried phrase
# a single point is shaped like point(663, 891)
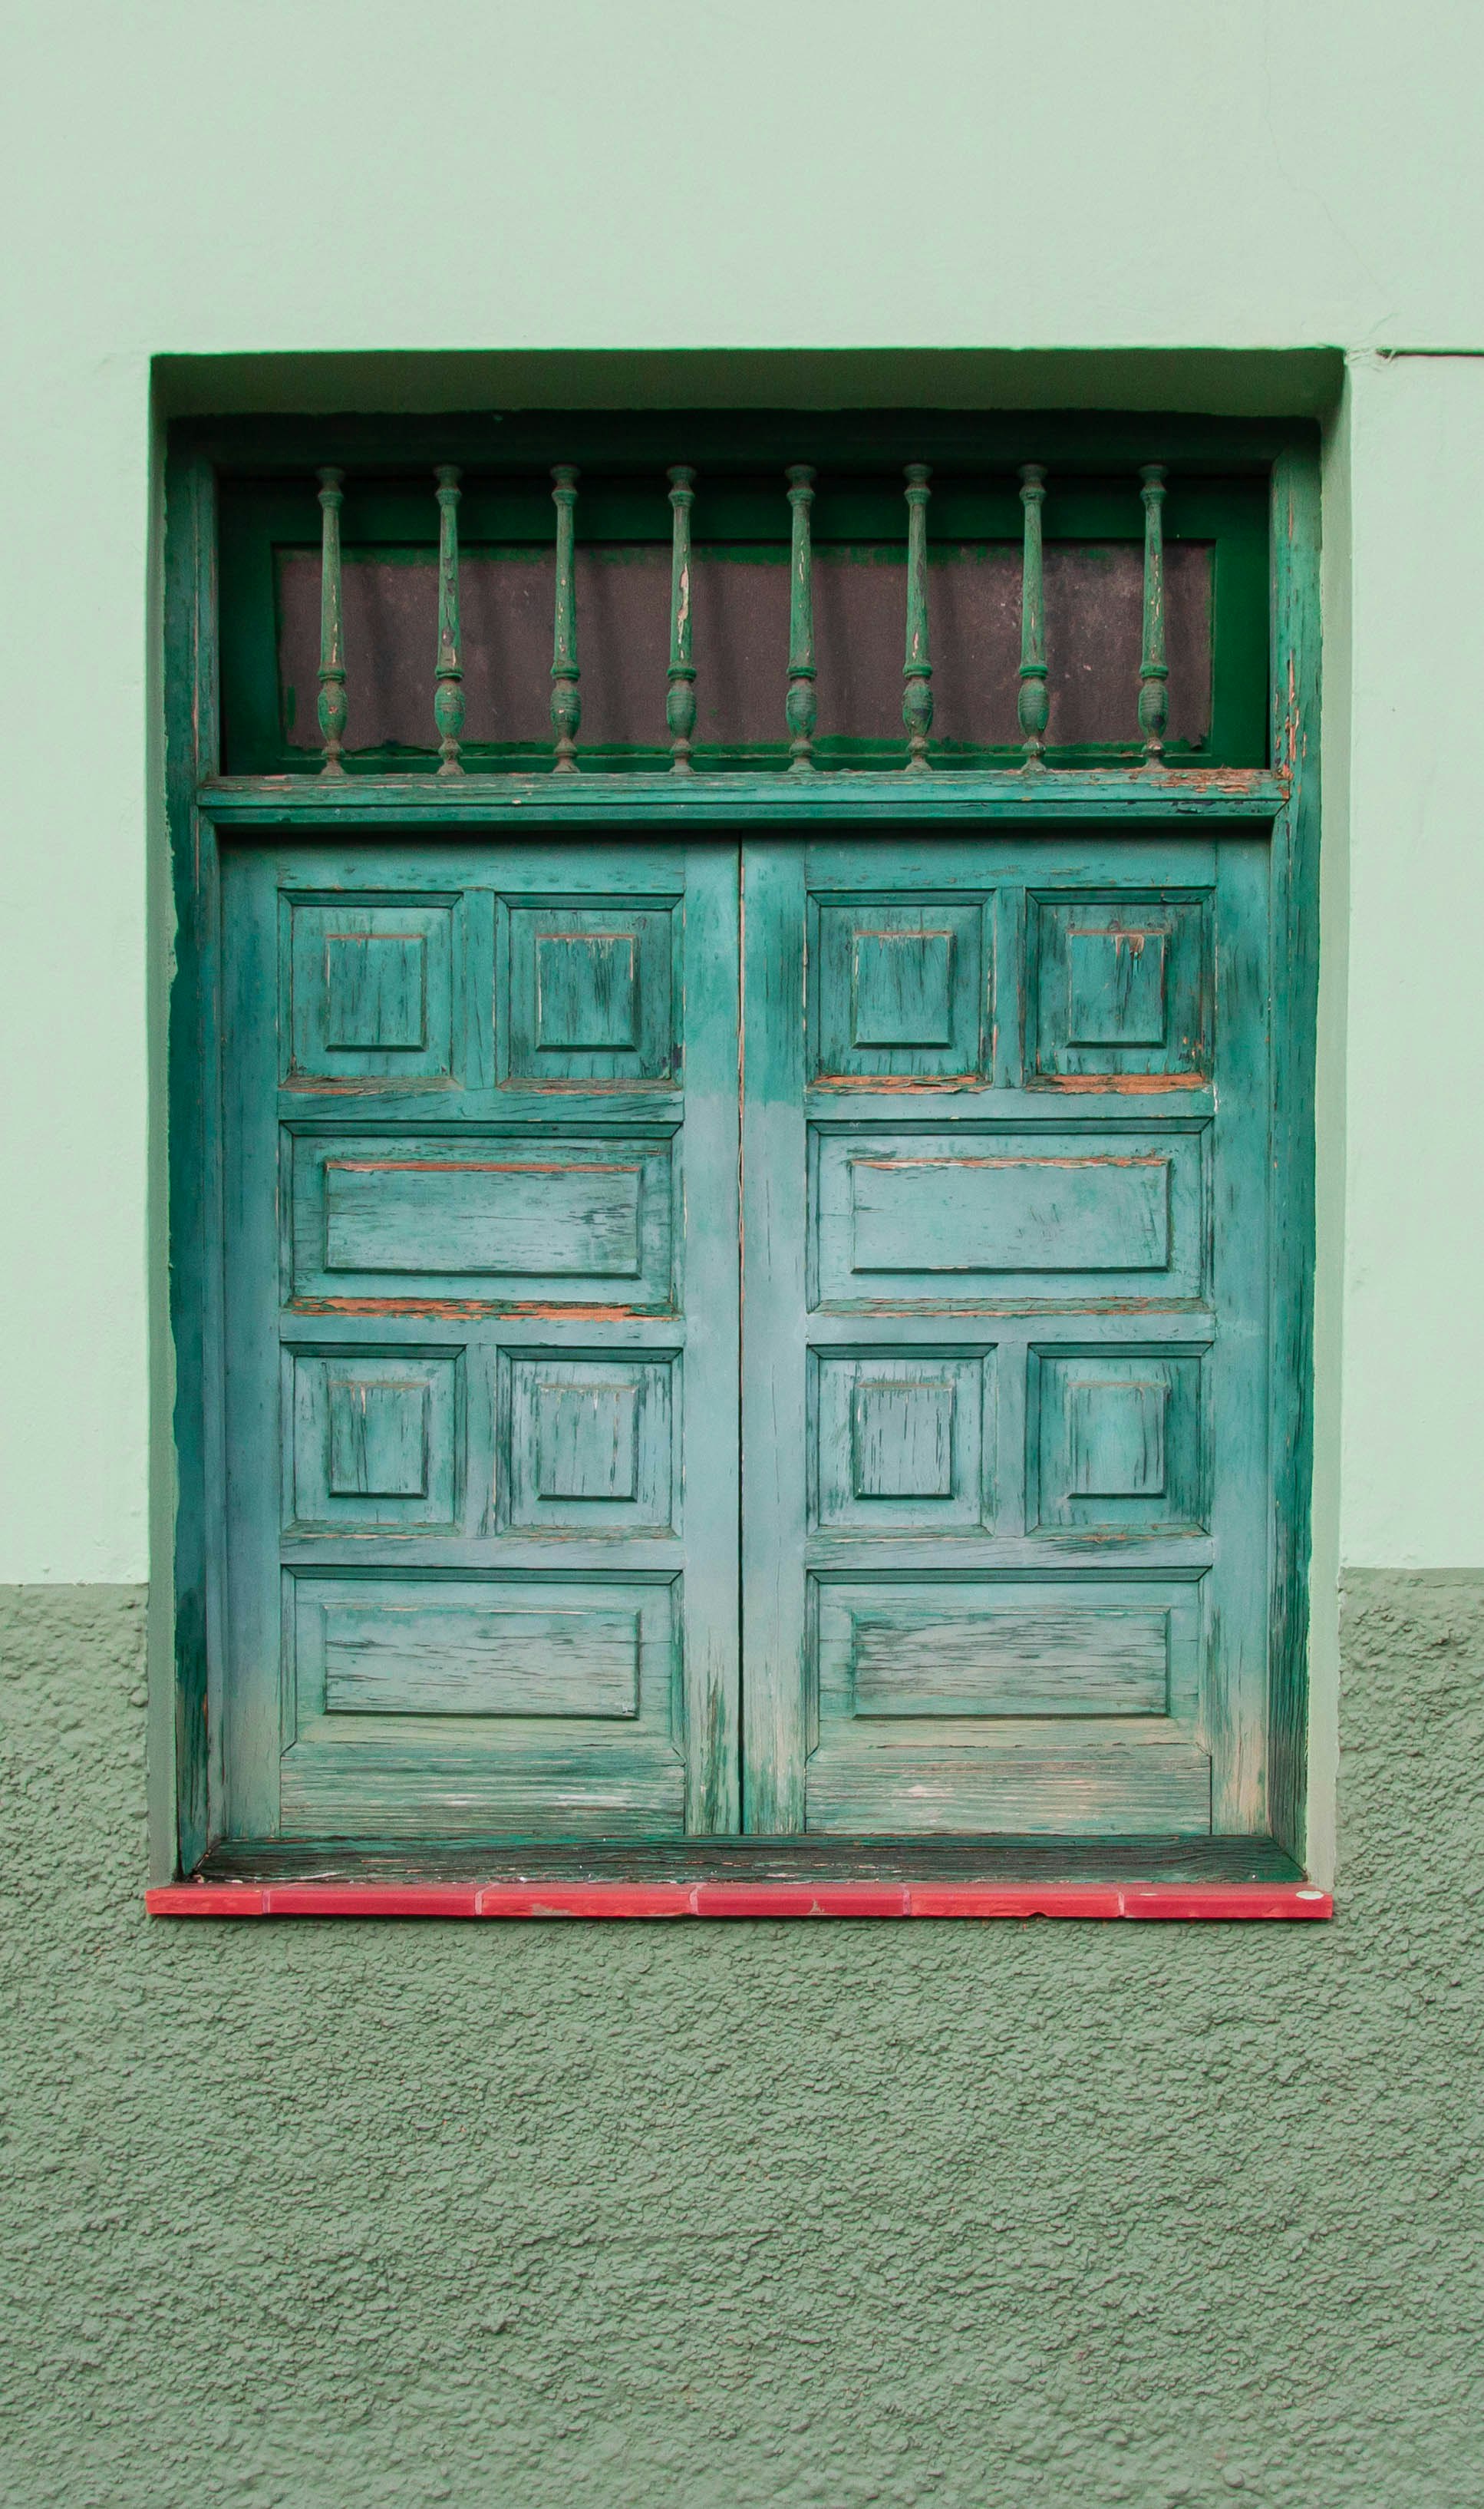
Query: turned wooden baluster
point(334, 706)
point(1153, 669)
point(566, 694)
point(1034, 701)
point(448, 696)
point(917, 670)
point(680, 691)
point(801, 705)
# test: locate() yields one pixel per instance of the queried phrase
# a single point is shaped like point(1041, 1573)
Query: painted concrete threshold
point(1166, 1900)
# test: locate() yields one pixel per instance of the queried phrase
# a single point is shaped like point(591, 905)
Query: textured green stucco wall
point(737, 2216)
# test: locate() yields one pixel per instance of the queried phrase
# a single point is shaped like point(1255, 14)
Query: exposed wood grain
point(478, 1516)
point(913, 1219)
point(774, 1423)
point(988, 1862)
point(1114, 1787)
point(942, 1674)
point(712, 1367)
point(1113, 800)
point(1296, 707)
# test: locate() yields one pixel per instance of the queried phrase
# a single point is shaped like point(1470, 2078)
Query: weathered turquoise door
point(974, 1402)
point(482, 1341)
point(1005, 1484)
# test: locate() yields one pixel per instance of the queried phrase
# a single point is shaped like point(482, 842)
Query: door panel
point(1004, 1352)
point(482, 1293)
point(910, 1218)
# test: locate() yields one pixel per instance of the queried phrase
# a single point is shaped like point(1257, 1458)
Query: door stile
point(1238, 1229)
point(256, 1701)
point(711, 1232)
point(774, 1424)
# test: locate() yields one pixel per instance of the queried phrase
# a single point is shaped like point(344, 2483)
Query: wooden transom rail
point(800, 706)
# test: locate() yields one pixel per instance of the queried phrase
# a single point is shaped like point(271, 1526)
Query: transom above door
point(764, 1338)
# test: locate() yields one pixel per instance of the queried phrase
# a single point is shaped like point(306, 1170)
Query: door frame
point(203, 807)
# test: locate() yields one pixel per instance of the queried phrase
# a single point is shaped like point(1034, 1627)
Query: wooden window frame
point(1217, 1877)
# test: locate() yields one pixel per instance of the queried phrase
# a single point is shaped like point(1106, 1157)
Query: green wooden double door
point(768, 1336)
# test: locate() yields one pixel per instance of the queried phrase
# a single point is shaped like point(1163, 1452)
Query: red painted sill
point(1184, 1901)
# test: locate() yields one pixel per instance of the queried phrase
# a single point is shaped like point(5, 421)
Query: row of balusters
point(800, 707)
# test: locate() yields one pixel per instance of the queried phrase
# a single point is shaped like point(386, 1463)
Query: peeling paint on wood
point(801, 707)
point(680, 693)
point(1153, 670)
point(917, 670)
point(566, 691)
point(448, 696)
point(1034, 702)
point(334, 712)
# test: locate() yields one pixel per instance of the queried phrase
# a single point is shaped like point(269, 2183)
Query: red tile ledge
point(1183, 1902)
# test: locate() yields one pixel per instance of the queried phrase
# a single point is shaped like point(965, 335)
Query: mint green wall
point(742, 2215)
point(233, 182)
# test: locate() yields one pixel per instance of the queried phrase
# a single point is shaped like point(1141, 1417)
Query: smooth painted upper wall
point(249, 176)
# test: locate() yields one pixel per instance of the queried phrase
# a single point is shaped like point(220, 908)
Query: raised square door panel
point(588, 1442)
point(902, 1442)
point(374, 1440)
point(900, 987)
point(505, 1220)
point(373, 991)
point(590, 994)
point(948, 1218)
point(1118, 991)
point(1116, 1439)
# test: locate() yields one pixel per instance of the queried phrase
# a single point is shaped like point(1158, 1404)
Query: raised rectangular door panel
point(476, 1354)
point(533, 1686)
point(438, 1647)
point(1005, 1477)
point(1012, 1647)
point(932, 1219)
point(502, 1218)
